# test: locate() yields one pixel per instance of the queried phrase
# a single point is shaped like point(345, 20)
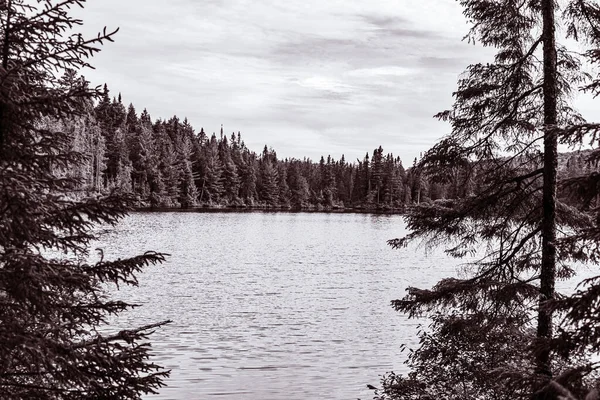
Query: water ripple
point(272, 306)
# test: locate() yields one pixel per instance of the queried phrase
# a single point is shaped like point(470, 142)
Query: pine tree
point(52, 303)
point(248, 168)
point(329, 186)
point(112, 118)
point(300, 192)
point(284, 189)
point(269, 191)
point(377, 173)
point(213, 177)
point(343, 175)
point(123, 169)
point(86, 138)
point(231, 180)
point(188, 193)
point(389, 180)
point(96, 149)
point(131, 120)
point(502, 111)
point(168, 167)
point(142, 153)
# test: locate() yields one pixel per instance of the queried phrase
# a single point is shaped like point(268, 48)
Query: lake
point(273, 305)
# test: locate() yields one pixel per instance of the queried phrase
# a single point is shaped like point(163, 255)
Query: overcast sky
point(307, 77)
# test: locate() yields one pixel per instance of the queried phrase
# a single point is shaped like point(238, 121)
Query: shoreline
point(243, 209)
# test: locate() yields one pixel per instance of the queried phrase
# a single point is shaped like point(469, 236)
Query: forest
point(166, 163)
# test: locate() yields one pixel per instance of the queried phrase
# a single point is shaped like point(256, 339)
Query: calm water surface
point(273, 305)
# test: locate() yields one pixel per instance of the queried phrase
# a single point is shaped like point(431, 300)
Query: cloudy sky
point(307, 77)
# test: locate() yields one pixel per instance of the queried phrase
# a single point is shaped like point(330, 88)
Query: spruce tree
point(377, 173)
point(213, 173)
point(300, 191)
point(284, 189)
point(231, 180)
point(269, 191)
point(188, 194)
point(248, 169)
point(53, 301)
point(506, 120)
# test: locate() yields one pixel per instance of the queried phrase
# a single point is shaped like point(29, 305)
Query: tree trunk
point(5, 55)
point(548, 267)
point(7, 36)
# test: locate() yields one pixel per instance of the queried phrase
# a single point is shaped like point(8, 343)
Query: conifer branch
point(127, 335)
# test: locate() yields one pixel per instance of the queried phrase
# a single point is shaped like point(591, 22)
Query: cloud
point(385, 22)
point(307, 77)
point(382, 72)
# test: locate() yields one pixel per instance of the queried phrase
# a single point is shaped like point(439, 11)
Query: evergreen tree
point(321, 176)
point(169, 170)
point(198, 162)
point(248, 190)
point(284, 189)
point(342, 179)
point(329, 185)
point(300, 192)
point(96, 151)
point(112, 119)
point(213, 177)
point(188, 193)
point(142, 153)
point(377, 173)
point(103, 108)
point(131, 120)
point(389, 180)
point(502, 110)
point(365, 181)
point(52, 304)
point(269, 192)
point(118, 154)
point(150, 184)
point(85, 134)
point(231, 180)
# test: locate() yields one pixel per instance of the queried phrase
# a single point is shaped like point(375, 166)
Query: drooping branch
point(127, 335)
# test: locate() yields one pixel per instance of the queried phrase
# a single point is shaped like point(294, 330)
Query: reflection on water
point(273, 305)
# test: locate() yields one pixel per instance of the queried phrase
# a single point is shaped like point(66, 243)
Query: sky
point(306, 77)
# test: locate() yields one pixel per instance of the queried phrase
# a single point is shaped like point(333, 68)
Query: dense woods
point(167, 163)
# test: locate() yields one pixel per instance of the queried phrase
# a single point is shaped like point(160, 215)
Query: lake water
point(273, 305)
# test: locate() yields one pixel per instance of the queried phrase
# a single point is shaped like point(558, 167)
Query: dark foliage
point(53, 302)
point(526, 218)
point(166, 163)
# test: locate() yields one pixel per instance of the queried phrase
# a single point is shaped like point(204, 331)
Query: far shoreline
point(248, 209)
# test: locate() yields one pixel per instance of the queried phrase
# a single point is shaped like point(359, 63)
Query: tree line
point(165, 163)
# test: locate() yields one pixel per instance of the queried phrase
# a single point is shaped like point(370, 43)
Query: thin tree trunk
point(202, 191)
point(7, 28)
point(5, 55)
point(548, 267)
